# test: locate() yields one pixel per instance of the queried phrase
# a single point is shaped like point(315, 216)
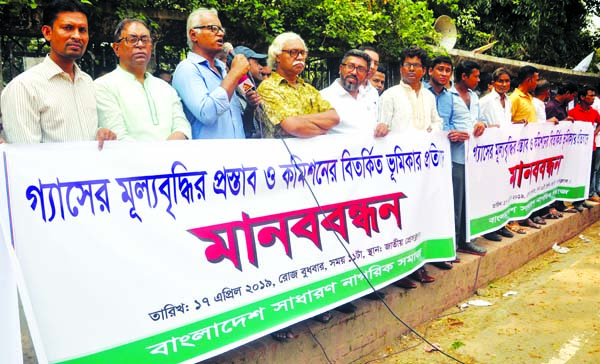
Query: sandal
point(529, 223)
point(555, 212)
point(515, 228)
point(324, 317)
point(283, 335)
point(538, 220)
point(550, 216)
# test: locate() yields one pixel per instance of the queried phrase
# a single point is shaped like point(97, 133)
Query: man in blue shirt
point(465, 118)
point(206, 89)
point(440, 71)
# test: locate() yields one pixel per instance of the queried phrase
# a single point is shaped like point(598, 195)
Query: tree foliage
point(553, 33)
point(540, 31)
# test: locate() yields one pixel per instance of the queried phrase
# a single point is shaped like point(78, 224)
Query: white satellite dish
point(445, 26)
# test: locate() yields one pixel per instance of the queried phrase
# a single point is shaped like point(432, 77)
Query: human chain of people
point(236, 209)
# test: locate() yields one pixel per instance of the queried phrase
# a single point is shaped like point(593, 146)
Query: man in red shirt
point(583, 112)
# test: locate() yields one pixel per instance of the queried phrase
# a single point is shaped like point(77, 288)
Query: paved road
point(553, 319)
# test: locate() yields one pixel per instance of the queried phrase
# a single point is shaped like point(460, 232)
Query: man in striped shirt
point(55, 101)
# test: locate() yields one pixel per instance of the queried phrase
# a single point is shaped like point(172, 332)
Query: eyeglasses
point(295, 52)
point(409, 65)
point(213, 28)
point(351, 67)
point(134, 39)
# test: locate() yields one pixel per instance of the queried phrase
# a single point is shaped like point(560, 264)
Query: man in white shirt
point(357, 111)
point(408, 106)
point(54, 101)
point(132, 102)
point(495, 107)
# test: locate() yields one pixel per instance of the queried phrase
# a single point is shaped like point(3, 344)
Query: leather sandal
point(538, 220)
point(555, 212)
point(529, 223)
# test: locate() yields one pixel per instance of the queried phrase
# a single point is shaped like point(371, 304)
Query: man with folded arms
point(292, 108)
point(132, 102)
point(55, 101)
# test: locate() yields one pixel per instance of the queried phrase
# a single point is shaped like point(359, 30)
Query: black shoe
point(492, 236)
point(471, 248)
point(346, 308)
point(587, 205)
point(443, 265)
point(560, 206)
point(505, 232)
point(375, 296)
point(578, 206)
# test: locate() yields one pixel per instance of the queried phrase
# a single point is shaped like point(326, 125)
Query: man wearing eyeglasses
point(205, 86)
point(409, 107)
point(55, 101)
point(292, 107)
point(358, 114)
point(131, 101)
point(406, 106)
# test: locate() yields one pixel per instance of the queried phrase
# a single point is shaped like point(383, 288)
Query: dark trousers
point(458, 189)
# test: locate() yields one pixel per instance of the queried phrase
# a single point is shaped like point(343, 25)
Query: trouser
point(595, 173)
point(458, 189)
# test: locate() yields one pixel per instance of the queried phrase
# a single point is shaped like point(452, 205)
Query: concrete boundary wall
point(349, 338)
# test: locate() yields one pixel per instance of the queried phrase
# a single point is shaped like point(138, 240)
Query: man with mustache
point(205, 86)
point(358, 113)
point(292, 107)
point(55, 101)
point(132, 102)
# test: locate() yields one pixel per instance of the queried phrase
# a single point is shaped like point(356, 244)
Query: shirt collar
point(429, 86)
point(407, 86)
point(278, 79)
point(52, 69)
point(522, 94)
point(196, 58)
point(128, 74)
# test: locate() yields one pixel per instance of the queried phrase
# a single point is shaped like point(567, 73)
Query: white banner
point(515, 170)
point(10, 330)
point(178, 251)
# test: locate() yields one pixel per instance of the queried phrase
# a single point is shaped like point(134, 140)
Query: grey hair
point(124, 23)
point(192, 21)
point(277, 46)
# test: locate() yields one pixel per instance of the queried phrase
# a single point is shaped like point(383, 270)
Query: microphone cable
point(322, 213)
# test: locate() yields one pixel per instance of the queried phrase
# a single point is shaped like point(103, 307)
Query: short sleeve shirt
point(280, 100)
